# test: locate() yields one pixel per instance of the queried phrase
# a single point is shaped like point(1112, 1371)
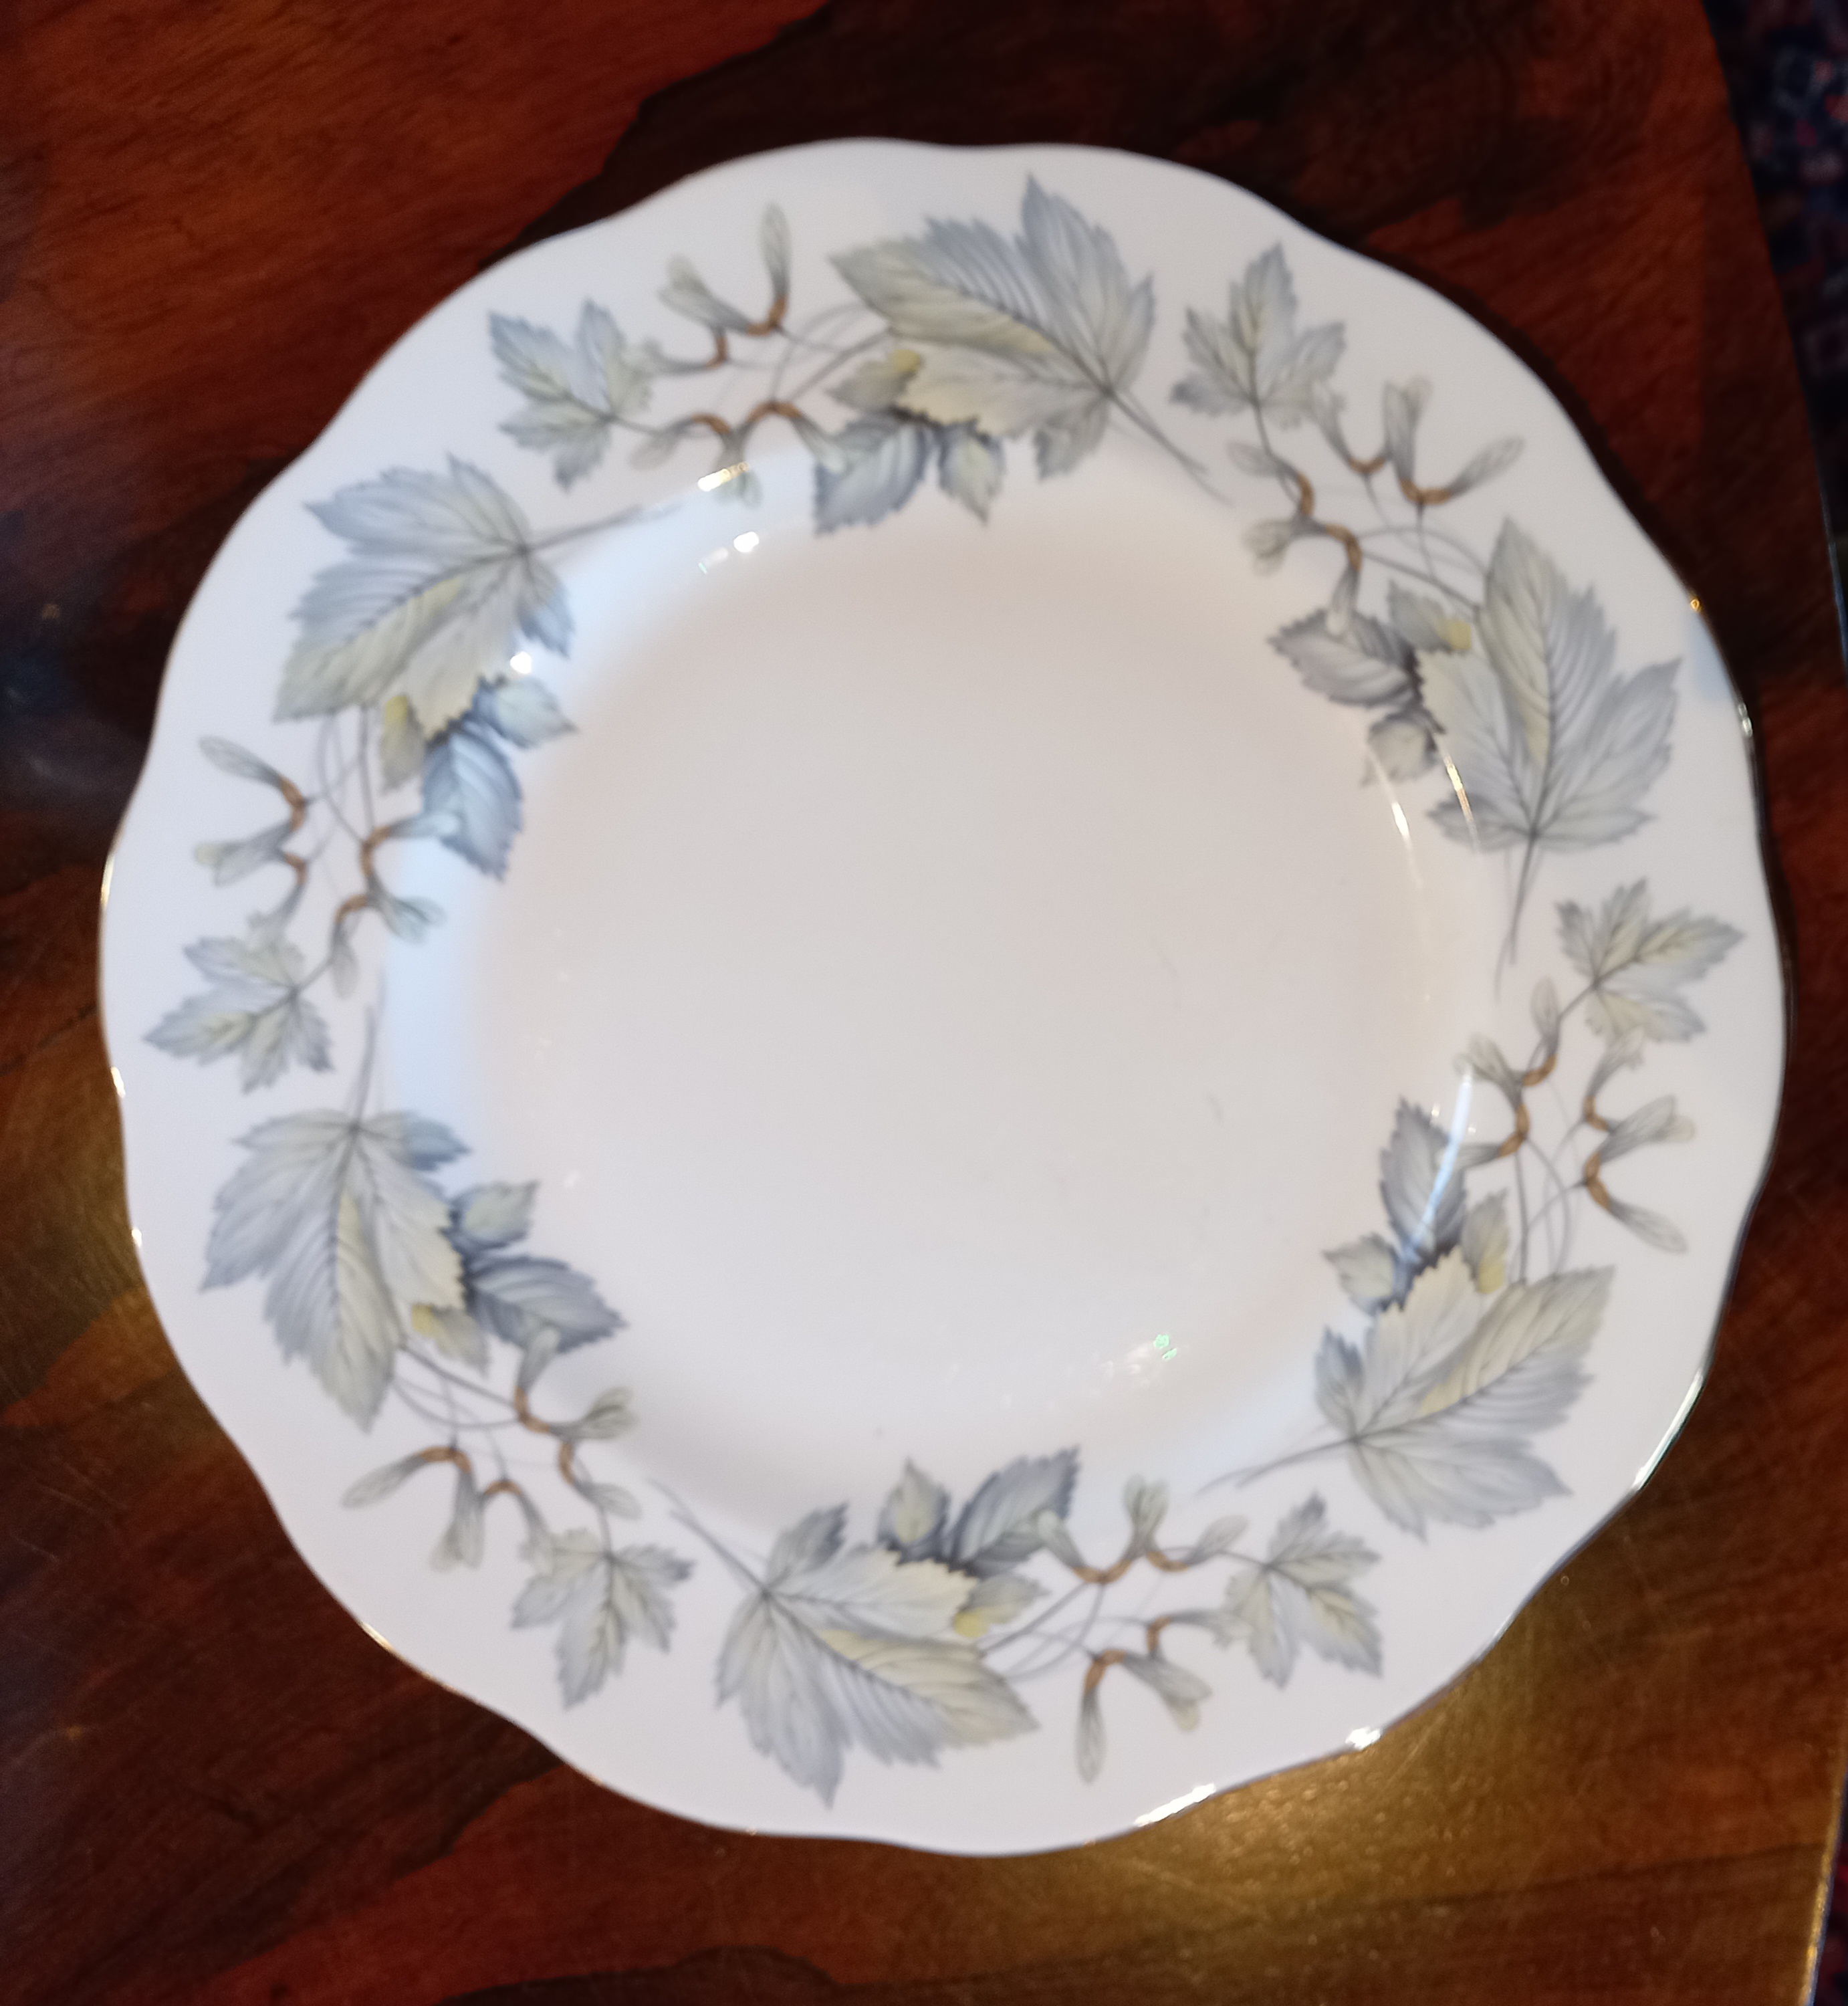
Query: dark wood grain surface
point(213, 1788)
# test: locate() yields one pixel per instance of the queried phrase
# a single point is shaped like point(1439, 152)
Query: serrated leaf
point(1303, 1595)
point(1420, 1186)
point(454, 1332)
point(1549, 748)
point(401, 742)
point(601, 1599)
point(1637, 966)
point(537, 1303)
point(994, 1603)
point(491, 1216)
point(1408, 1341)
point(443, 575)
point(1367, 1270)
point(1483, 1242)
point(1436, 1433)
point(1402, 743)
point(1255, 360)
point(471, 797)
point(838, 1648)
point(335, 1212)
point(1037, 334)
point(913, 1519)
point(1422, 622)
point(522, 710)
point(881, 459)
point(998, 1528)
point(1368, 664)
point(254, 1007)
point(575, 396)
point(969, 469)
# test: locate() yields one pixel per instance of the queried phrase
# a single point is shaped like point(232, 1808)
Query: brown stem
point(1534, 1074)
point(296, 800)
point(1094, 1673)
point(1523, 1127)
point(773, 319)
point(1594, 1183)
point(369, 849)
point(1103, 1577)
point(1367, 468)
point(1156, 1558)
point(771, 407)
point(523, 1413)
point(1154, 1633)
point(1348, 541)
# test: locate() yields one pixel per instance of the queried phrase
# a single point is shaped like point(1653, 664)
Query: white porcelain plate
point(944, 994)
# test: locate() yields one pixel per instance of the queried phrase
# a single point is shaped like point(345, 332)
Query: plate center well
point(951, 987)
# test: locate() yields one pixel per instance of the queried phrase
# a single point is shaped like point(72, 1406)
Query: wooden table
point(214, 1789)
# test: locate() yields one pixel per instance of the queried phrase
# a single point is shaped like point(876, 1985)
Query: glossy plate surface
point(944, 994)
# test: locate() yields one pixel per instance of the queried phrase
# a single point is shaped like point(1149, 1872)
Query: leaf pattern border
point(414, 662)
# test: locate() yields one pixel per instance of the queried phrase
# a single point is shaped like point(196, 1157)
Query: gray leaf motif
point(914, 1517)
point(522, 710)
point(443, 573)
point(1372, 662)
point(835, 1647)
point(999, 1527)
point(882, 458)
point(575, 396)
point(874, 465)
point(1040, 334)
point(1549, 748)
point(970, 468)
point(1369, 664)
point(1255, 360)
point(337, 1212)
point(254, 1008)
point(1635, 964)
point(1302, 1595)
point(491, 1216)
point(471, 797)
point(1435, 1408)
point(601, 1598)
point(1422, 1191)
point(539, 1305)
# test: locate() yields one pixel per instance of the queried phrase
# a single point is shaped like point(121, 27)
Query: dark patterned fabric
point(1786, 65)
